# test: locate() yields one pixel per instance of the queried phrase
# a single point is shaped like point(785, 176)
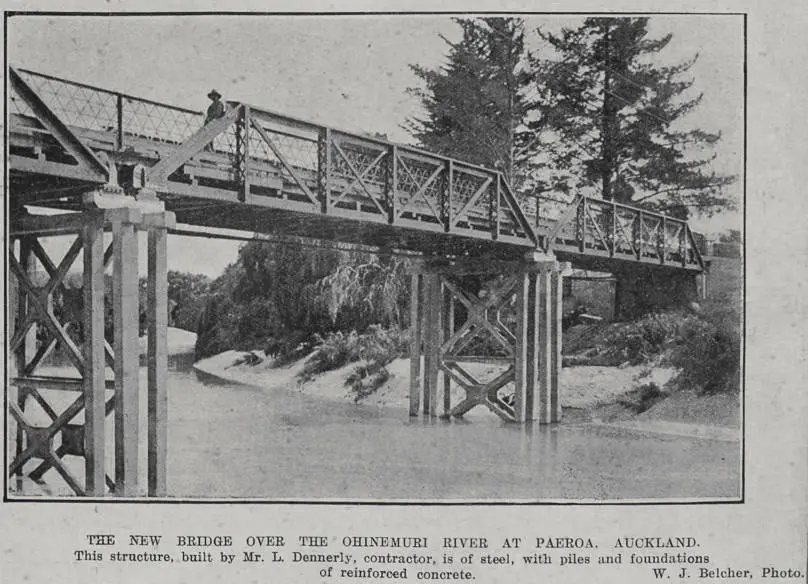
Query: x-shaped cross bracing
point(477, 392)
point(39, 440)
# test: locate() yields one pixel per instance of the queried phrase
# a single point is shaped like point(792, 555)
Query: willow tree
point(617, 119)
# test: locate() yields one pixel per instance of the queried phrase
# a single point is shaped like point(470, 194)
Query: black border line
point(348, 503)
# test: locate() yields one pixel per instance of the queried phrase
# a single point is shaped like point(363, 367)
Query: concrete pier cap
point(116, 199)
point(543, 260)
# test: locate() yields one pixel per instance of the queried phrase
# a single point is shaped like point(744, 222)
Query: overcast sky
point(347, 72)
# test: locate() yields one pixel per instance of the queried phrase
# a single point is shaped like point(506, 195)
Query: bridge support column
point(492, 328)
point(645, 289)
point(71, 323)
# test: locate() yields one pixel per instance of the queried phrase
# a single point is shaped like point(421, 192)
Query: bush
point(642, 398)
point(365, 379)
point(290, 347)
point(376, 347)
point(709, 353)
point(635, 342)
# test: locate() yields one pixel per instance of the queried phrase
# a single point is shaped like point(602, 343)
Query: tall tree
point(473, 103)
point(609, 111)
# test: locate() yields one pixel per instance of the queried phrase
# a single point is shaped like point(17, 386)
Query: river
point(231, 441)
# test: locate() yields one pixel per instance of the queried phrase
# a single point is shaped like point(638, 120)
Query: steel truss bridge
point(271, 173)
point(117, 164)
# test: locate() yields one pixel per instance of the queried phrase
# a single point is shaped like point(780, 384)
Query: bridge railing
point(342, 171)
point(95, 108)
point(346, 172)
point(605, 228)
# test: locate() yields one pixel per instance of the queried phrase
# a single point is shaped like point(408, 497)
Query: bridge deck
point(271, 173)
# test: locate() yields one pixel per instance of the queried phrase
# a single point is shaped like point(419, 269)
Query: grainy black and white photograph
point(475, 258)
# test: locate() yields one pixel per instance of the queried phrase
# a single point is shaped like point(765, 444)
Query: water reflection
point(241, 441)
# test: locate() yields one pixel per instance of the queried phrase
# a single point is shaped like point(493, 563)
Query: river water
point(231, 441)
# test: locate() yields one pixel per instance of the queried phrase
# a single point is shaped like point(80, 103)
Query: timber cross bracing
point(105, 377)
point(271, 173)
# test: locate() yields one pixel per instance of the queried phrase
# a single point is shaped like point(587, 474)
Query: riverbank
point(589, 393)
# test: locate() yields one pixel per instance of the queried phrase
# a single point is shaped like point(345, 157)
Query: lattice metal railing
point(606, 228)
point(94, 108)
point(267, 154)
point(342, 172)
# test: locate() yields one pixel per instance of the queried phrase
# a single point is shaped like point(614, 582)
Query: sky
point(346, 72)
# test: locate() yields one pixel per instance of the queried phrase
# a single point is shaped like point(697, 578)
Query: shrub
point(289, 347)
point(642, 398)
point(365, 379)
point(709, 353)
point(376, 347)
point(331, 352)
point(635, 342)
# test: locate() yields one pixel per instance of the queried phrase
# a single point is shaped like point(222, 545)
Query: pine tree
point(607, 111)
point(473, 104)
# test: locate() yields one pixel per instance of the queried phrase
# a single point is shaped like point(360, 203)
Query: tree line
point(591, 111)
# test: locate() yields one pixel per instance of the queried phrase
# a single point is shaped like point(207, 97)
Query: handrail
point(141, 122)
point(108, 91)
point(378, 141)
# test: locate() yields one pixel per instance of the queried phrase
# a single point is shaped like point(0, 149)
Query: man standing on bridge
point(215, 110)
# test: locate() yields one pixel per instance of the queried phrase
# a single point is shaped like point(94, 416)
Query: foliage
point(284, 277)
point(704, 346)
point(473, 104)
point(279, 296)
point(365, 379)
point(709, 352)
point(361, 294)
point(186, 298)
point(376, 347)
point(642, 398)
point(635, 342)
point(613, 118)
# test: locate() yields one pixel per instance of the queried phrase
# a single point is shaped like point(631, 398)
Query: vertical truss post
point(392, 184)
point(127, 351)
point(447, 200)
point(245, 181)
point(638, 233)
point(613, 229)
point(119, 129)
point(94, 356)
point(157, 310)
point(496, 201)
point(324, 168)
point(241, 162)
point(416, 310)
point(662, 239)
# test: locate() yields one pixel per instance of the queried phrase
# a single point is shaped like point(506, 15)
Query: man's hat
point(214, 94)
